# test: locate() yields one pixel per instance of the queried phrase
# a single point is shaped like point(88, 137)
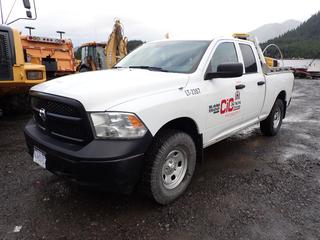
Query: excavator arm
point(116, 47)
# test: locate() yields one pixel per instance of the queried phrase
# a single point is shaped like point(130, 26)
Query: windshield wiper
point(150, 68)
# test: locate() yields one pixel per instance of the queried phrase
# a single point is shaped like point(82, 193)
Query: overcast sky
point(148, 20)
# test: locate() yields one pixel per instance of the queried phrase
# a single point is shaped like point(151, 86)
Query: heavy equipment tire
point(16, 104)
point(169, 166)
point(271, 125)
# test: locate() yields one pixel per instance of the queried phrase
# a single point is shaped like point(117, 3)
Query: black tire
point(168, 143)
point(271, 125)
point(85, 69)
point(16, 104)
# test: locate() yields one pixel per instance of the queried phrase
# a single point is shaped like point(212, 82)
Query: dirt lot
point(249, 187)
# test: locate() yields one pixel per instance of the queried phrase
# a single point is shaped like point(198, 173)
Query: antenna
point(61, 33)
point(30, 29)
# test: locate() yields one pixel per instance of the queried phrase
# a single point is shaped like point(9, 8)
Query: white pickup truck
point(146, 122)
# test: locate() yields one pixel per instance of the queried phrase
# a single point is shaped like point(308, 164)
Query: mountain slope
point(303, 42)
point(273, 30)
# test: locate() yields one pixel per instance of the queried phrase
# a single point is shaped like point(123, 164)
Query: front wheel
point(271, 125)
point(169, 166)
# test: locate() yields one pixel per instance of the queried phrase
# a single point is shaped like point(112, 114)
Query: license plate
point(39, 157)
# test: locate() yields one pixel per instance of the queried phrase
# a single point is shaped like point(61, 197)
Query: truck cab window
point(225, 53)
point(249, 59)
point(84, 52)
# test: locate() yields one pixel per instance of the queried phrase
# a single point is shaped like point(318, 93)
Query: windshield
point(168, 56)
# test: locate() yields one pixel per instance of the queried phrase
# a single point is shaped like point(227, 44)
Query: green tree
point(303, 42)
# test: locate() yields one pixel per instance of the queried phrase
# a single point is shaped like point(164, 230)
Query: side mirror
point(226, 70)
point(29, 14)
point(26, 4)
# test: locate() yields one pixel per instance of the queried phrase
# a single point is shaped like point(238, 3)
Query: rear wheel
point(271, 125)
point(169, 166)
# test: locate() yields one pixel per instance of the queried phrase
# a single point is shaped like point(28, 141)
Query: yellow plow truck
point(16, 74)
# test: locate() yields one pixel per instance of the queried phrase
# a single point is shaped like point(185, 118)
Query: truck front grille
point(62, 118)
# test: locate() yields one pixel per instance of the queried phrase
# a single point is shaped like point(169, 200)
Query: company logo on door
point(227, 105)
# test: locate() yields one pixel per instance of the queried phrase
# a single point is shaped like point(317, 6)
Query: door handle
point(261, 83)
point(240, 86)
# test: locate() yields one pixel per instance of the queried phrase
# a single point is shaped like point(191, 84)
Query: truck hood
point(101, 90)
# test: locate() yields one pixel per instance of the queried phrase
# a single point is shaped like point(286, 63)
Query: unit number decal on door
point(194, 91)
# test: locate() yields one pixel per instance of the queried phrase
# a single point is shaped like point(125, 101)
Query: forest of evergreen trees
point(303, 42)
point(133, 44)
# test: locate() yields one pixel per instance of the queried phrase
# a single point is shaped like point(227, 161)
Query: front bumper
point(112, 164)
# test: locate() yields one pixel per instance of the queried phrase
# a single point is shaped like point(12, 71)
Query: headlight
point(34, 75)
point(117, 125)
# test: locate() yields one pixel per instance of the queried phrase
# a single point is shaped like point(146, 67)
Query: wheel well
point(188, 126)
point(282, 95)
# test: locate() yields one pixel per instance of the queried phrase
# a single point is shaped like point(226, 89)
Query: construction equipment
point(91, 56)
point(16, 75)
point(29, 60)
point(271, 62)
point(97, 56)
point(55, 54)
point(116, 47)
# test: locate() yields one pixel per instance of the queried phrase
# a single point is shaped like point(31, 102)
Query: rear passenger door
point(252, 95)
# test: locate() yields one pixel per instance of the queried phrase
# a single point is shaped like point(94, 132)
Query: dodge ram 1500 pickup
point(146, 121)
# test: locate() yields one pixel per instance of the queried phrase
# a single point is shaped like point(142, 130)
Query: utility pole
point(1, 12)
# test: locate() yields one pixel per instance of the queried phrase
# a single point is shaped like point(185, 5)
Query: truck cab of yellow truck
point(16, 74)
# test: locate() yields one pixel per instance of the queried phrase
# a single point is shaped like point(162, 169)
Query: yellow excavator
point(97, 56)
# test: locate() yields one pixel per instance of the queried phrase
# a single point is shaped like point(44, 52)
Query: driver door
point(221, 97)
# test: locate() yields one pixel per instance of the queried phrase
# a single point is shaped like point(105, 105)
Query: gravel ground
point(248, 187)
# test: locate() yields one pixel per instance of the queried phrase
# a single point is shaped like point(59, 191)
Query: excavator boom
point(116, 47)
